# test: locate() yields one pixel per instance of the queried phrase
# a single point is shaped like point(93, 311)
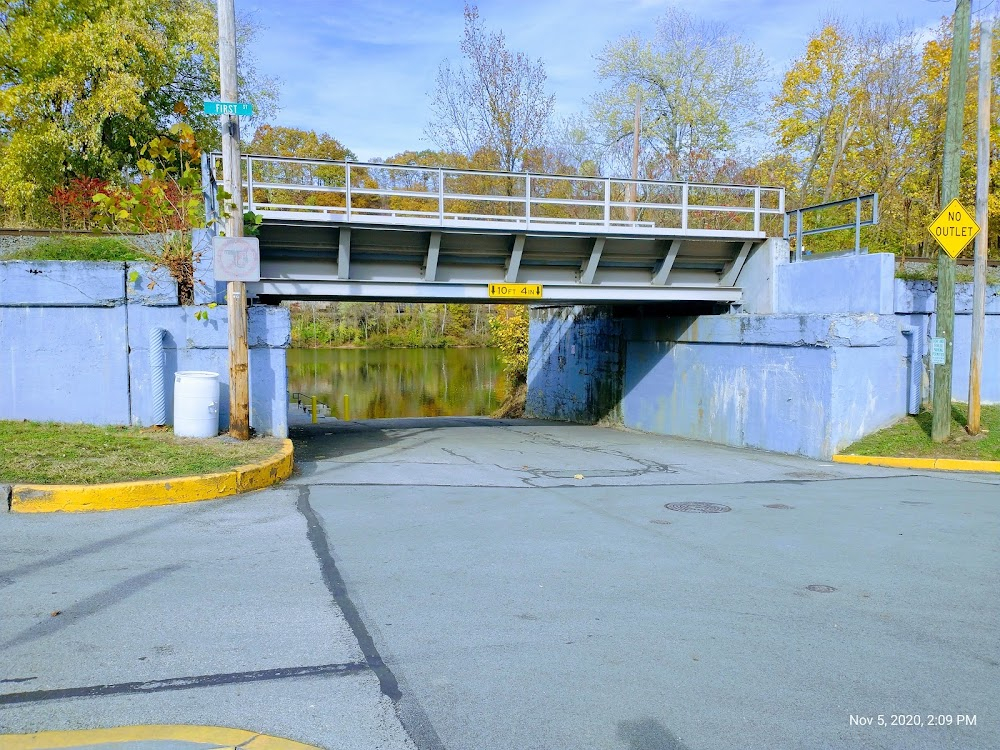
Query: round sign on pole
point(237, 258)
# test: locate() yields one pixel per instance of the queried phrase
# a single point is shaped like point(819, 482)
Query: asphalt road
point(475, 584)
point(520, 607)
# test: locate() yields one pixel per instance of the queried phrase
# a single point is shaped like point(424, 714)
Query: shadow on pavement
point(648, 734)
point(325, 440)
point(90, 605)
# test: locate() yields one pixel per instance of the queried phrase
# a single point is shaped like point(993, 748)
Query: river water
point(400, 382)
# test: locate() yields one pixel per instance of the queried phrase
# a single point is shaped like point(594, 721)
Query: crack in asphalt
point(578, 485)
point(181, 683)
point(411, 716)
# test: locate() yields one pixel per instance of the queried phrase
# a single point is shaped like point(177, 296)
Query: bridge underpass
point(623, 273)
point(350, 231)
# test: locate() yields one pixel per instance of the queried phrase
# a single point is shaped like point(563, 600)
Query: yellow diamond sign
point(954, 228)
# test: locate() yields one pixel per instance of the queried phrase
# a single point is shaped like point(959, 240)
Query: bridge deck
point(349, 230)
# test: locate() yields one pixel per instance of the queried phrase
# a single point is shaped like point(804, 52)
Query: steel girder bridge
point(344, 230)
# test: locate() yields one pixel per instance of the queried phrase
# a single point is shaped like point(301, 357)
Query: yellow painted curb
point(221, 736)
point(73, 498)
point(938, 464)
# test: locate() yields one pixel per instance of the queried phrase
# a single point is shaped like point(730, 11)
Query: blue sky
point(362, 70)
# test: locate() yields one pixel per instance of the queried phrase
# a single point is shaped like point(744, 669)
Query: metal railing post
point(527, 199)
point(249, 183)
point(756, 209)
point(347, 189)
point(798, 234)
point(607, 201)
point(857, 225)
point(440, 195)
point(684, 206)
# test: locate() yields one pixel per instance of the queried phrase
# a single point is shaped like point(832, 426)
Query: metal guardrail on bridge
point(857, 203)
point(371, 192)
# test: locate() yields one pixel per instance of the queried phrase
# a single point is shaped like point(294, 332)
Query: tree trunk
point(843, 136)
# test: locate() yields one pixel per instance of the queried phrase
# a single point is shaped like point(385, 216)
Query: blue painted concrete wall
point(915, 302)
point(805, 384)
point(74, 343)
point(191, 344)
point(574, 364)
point(790, 383)
point(824, 365)
point(754, 396)
point(844, 284)
point(64, 364)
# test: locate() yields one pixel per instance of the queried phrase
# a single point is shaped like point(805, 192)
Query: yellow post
point(314, 409)
point(347, 408)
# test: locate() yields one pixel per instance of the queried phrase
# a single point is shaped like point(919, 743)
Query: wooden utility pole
point(633, 189)
point(982, 219)
point(236, 297)
point(945, 309)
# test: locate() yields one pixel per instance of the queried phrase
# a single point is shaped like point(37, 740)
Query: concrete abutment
point(816, 359)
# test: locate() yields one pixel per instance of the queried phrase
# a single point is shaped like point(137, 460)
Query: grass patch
point(911, 438)
point(52, 453)
point(78, 247)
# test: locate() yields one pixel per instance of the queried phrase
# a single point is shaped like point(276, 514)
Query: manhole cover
point(821, 588)
point(660, 521)
point(698, 507)
point(779, 506)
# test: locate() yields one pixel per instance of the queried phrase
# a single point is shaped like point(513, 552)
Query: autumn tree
point(924, 189)
point(274, 140)
point(699, 89)
point(861, 111)
point(494, 107)
point(80, 78)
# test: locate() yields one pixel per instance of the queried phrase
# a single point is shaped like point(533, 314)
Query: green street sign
point(240, 109)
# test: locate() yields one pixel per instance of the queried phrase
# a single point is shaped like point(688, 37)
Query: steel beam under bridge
point(349, 230)
point(322, 260)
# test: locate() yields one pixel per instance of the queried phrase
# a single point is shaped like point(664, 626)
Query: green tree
point(862, 110)
point(80, 78)
point(699, 86)
point(166, 201)
point(510, 335)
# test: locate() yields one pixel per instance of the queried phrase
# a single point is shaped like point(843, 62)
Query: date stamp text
point(913, 720)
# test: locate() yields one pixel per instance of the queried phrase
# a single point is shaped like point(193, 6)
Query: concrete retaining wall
point(794, 384)
point(74, 341)
point(575, 360)
point(915, 302)
point(825, 365)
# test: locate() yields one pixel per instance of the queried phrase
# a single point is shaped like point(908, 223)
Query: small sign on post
point(240, 109)
point(937, 351)
point(237, 258)
point(954, 228)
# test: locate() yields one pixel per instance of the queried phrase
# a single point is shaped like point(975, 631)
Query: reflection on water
point(400, 382)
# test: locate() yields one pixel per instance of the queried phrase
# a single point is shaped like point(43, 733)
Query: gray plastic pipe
point(158, 389)
point(915, 370)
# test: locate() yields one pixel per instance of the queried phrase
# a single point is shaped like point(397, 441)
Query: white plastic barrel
point(196, 404)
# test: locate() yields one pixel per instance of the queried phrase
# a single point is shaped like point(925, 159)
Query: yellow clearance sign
point(954, 228)
point(516, 291)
